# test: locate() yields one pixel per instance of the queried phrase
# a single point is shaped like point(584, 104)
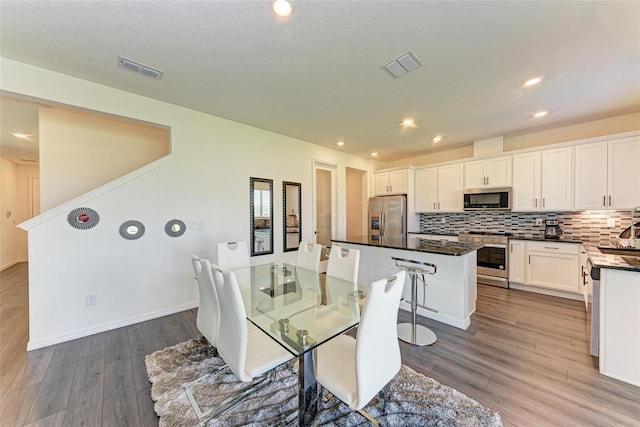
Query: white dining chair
point(309, 256)
point(233, 255)
point(208, 317)
point(343, 263)
point(355, 370)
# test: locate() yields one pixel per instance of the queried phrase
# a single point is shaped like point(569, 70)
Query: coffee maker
point(552, 229)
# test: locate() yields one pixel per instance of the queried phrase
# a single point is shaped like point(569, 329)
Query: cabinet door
point(553, 271)
point(398, 182)
point(516, 261)
point(591, 176)
point(498, 172)
point(425, 190)
point(526, 182)
point(449, 185)
point(624, 173)
point(474, 175)
point(381, 183)
point(556, 179)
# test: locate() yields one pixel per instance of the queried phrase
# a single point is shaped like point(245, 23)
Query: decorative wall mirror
point(292, 220)
point(261, 198)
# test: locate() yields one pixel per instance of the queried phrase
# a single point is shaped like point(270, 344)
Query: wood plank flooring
point(525, 355)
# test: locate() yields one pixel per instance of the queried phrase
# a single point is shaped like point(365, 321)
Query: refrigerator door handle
point(382, 223)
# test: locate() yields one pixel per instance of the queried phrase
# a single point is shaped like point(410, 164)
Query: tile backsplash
point(590, 227)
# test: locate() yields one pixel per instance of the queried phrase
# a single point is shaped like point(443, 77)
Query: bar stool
point(413, 333)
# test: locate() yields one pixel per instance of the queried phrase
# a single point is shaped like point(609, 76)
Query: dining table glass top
point(298, 308)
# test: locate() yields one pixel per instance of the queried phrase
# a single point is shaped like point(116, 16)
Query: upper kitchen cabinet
point(392, 181)
point(488, 173)
point(607, 174)
point(439, 189)
point(542, 180)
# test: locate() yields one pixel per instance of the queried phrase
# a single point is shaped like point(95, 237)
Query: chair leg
point(192, 399)
point(369, 417)
point(233, 401)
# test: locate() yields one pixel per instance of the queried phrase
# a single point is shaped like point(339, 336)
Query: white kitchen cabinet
point(439, 189)
point(543, 180)
point(488, 173)
point(391, 182)
point(607, 175)
point(517, 250)
point(585, 276)
point(553, 266)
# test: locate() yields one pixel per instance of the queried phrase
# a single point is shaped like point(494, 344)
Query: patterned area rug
point(414, 400)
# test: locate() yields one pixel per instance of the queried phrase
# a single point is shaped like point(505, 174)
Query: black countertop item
point(416, 244)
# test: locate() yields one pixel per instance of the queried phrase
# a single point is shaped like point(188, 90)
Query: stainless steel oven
point(493, 258)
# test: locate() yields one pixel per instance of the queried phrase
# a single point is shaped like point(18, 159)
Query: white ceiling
point(317, 76)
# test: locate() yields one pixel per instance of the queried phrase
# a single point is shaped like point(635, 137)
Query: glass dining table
point(300, 310)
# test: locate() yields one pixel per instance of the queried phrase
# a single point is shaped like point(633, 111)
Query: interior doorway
point(356, 194)
point(325, 209)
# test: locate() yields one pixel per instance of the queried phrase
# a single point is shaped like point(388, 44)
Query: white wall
point(14, 198)
point(80, 151)
point(207, 179)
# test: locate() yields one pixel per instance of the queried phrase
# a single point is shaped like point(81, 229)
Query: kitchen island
point(450, 295)
point(616, 277)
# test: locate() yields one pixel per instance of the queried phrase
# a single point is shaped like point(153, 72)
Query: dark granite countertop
point(433, 233)
point(616, 262)
point(541, 238)
point(415, 244)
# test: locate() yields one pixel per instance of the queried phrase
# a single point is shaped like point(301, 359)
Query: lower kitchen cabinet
point(546, 267)
point(516, 261)
point(553, 266)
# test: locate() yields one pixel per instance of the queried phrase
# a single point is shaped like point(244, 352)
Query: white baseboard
point(33, 345)
point(553, 293)
point(460, 324)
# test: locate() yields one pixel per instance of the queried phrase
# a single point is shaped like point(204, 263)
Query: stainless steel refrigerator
point(388, 217)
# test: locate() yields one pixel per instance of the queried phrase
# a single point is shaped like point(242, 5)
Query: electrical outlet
point(611, 222)
point(538, 221)
point(91, 299)
point(443, 220)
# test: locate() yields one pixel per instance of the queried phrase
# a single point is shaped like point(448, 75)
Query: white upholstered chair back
point(233, 255)
point(309, 256)
point(208, 317)
point(343, 263)
point(232, 337)
point(377, 348)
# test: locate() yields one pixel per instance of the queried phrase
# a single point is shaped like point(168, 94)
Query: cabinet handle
point(434, 206)
point(551, 247)
point(535, 201)
point(543, 202)
point(604, 200)
point(487, 180)
point(438, 205)
point(609, 199)
point(511, 248)
point(529, 259)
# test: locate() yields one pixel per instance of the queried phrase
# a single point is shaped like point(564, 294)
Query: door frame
point(333, 169)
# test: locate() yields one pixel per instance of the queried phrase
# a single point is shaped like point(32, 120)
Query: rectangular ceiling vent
point(403, 64)
point(139, 68)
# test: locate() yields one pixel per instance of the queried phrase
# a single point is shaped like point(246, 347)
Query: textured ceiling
point(317, 76)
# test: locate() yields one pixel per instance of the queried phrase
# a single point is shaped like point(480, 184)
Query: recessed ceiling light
point(408, 123)
point(340, 143)
point(437, 138)
point(282, 8)
point(540, 114)
point(532, 82)
point(20, 135)
point(374, 154)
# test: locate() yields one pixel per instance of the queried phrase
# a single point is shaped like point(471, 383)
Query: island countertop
point(416, 244)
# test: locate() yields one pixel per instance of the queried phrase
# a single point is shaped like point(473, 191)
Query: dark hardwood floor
point(525, 355)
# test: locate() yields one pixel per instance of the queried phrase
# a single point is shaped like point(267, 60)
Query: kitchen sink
point(620, 251)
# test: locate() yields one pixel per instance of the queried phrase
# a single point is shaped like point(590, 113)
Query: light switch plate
point(611, 222)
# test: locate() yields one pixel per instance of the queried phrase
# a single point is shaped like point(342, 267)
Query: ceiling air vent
point(402, 65)
point(140, 68)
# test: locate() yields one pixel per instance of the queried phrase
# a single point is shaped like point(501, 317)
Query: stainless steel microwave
point(487, 199)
